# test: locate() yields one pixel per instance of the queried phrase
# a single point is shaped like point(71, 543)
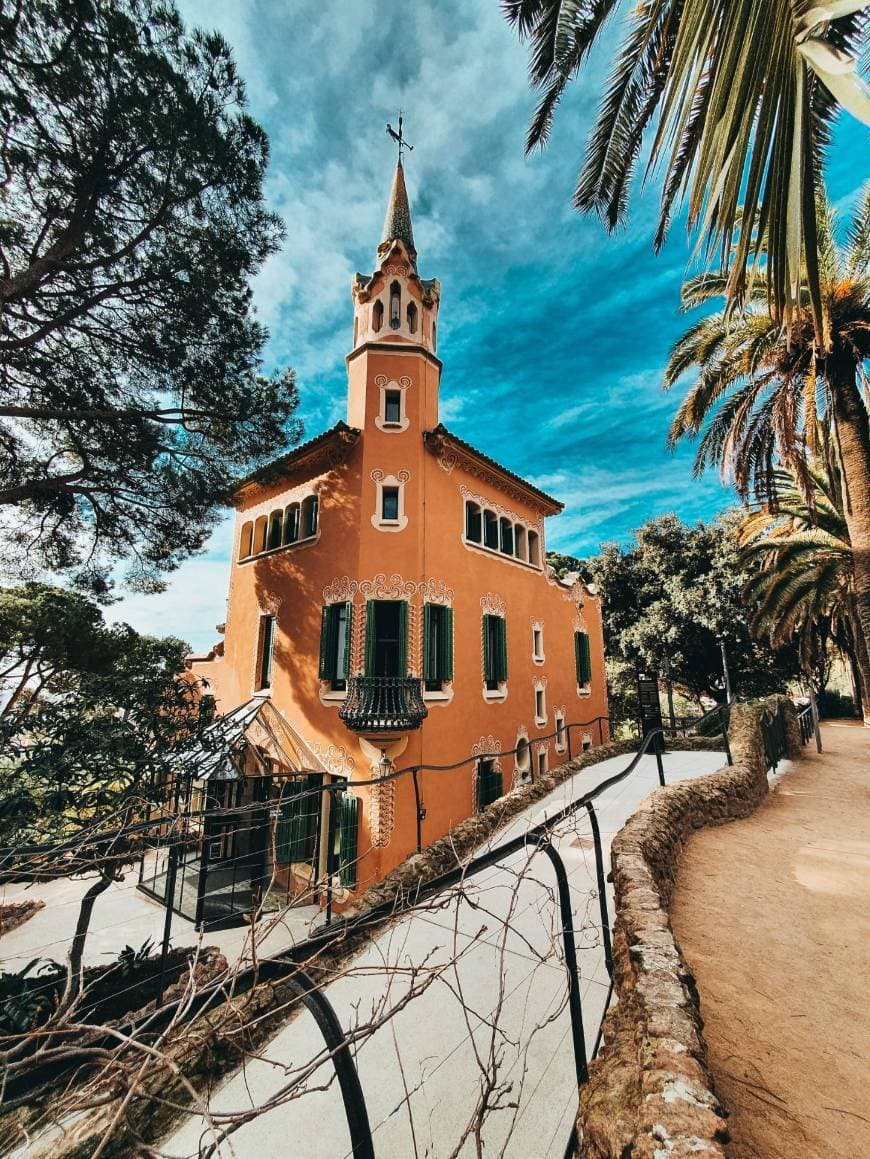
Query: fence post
point(602, 888)
point(580, 1063)
point(171, 876)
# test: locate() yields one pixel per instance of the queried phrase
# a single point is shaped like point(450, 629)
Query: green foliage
point(674, 595)
point(130, 959)
point(27, 998)
point(131, 222)
point(734, 97)
point(833, 705)
point(565, 565)
point(90, 734)
point(765, 393)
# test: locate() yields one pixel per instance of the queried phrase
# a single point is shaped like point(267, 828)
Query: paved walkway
point(425, 1069)
point(773, 916)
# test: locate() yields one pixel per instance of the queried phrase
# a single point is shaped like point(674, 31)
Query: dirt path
point(773, 916)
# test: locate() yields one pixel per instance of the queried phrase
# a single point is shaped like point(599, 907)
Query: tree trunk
point(853, 430)
point(77, 947)
point(860, 660)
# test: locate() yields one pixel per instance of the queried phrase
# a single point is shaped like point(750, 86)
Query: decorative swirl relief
point(396, 269)
point(486, 745)
point(378, 476)
point(492, 604)
point(343, 589)
point(382, 820)
point(403, 383)
point(335, 759)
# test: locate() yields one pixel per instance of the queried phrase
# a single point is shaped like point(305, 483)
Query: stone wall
point(650, 1094)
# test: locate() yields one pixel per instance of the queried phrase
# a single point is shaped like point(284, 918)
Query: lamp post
point(725, 671)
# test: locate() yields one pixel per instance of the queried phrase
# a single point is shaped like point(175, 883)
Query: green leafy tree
point(675, 595)
point(802, 578)
point(765, 393)
point(91, 749)
point(131, 222)
point(737, 96)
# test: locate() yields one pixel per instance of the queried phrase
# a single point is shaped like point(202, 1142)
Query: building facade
point(389, 596)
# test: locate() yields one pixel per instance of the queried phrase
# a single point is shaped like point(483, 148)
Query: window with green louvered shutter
point(348, 821)
point(488, 674)
point(582, 658)
point(371, 638)
point(327, 643)
point(344, 659)
point(586, 658)
point(296, 830)
point(446, 642)
point(502, 649)
point(489, 783)
point(403, 638)
point(430, 658)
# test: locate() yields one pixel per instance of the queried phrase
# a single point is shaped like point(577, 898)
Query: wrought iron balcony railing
point(383, 704)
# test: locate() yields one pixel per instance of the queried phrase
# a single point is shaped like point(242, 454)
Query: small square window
point(393, 406)
point(540, 712)
point(542, 763)
point(390, 504)
point(537, 644)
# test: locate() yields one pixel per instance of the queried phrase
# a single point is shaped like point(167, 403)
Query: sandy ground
point(773, 916)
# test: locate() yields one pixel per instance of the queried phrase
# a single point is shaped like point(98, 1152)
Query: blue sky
point(553, 334)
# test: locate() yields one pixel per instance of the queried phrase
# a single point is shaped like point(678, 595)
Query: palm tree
point(803, 581)
point(767, 393)
point(743, 91)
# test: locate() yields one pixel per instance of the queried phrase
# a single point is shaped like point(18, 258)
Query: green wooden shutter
point(344, 664)
point(487, 651)
point(370, 638)
point(292, 828)
point(585, 658)
point(403, 638)
point(578, 666)
point(348, 820)
point(446, 659)
point(429, 660)
point(326, 666)
point(502, 649)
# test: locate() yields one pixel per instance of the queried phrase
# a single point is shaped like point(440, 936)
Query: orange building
point(389, 595)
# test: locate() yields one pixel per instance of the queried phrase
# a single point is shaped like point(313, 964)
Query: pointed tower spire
point(397, 223)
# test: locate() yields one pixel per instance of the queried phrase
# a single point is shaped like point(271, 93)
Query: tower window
point(507, 536)
point(246, 540)
point(412, 318)
point(395, 306)
point(291, 523)
point(276, 521)
point(490, 530)
point(540, 706)
point(393, 406)
point(390, 504)
point(266, 648)
point(534, 549)
point(434, 338)
point(377, 316)
point(473, 522)
point(309, 517)
point(538, 644)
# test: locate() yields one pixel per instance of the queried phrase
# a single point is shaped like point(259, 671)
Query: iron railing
point(806, 723)
point(383, 704)
point(774, 737)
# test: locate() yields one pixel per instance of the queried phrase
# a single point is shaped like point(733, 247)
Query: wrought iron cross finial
point(398, 138)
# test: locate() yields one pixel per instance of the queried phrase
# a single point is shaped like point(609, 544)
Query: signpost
point(651, 713)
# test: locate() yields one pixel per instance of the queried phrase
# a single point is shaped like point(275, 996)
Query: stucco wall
point(650, 1094)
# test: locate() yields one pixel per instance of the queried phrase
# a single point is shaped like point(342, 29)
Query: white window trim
point(495, 695)
point(542, 751)
point(328, 695)
point(381, 481)
point(442, 695)
point(559, 718)
point(401, 386)
point(536, 658)
point(541, 719)
point(523, 772)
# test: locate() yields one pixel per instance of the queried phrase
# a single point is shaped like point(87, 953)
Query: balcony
point(382, 704)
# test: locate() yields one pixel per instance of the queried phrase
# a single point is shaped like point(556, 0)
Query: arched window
point(245, 540)
point(534, 548)
point(473, 522)
point(395, 306)
point(276, 526)
point(261, 531)
point(519, 541)
point(434, 338)
point(490, 530)
point(506, 529)
point(309, 517)
point(412, 318)
point(291, 523)
point(377, 316)
point(523, 757)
